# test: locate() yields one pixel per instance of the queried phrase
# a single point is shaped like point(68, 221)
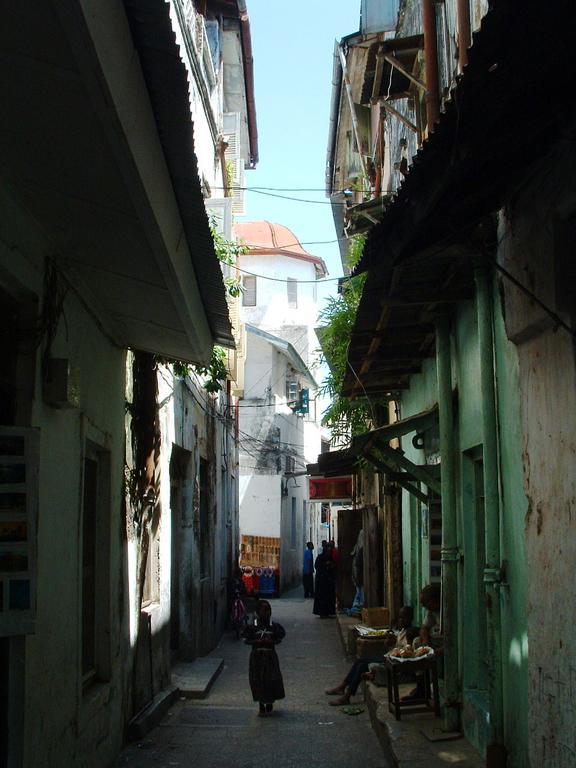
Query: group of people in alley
point(263, 634)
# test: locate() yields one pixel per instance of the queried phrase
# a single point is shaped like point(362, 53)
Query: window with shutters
point(292, 388)
point(19, 460)
point(249, 291)
point(292, 288)
point(231, 131)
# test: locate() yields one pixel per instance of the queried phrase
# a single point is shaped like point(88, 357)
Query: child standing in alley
point(264, 670)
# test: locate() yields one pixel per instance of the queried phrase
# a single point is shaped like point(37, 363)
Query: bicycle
point(238, 614)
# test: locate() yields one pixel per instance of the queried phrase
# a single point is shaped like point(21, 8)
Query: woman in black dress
point(264, 670)
point(325, 591)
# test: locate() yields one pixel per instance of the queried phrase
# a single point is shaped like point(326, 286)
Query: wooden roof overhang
point(394, 330)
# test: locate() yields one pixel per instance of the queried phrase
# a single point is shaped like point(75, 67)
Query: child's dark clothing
point(264, 671)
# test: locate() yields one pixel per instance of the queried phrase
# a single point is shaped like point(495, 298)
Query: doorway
point(180, 514)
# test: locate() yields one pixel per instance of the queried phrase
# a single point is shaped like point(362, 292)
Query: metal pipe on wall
point(496, 753)
point(431, 63)
point(450, 552)
point(463, 27)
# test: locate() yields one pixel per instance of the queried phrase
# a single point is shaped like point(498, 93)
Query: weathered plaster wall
point(64, 726)
point(195, 426)
point(531, 248)
point(85, 729)
point(260, 503)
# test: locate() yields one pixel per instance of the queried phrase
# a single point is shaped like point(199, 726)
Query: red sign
point(330, 488)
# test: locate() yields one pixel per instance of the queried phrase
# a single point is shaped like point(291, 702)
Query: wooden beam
point(395, 354)
point(414, 42)
point(390, 109)
point(381, 389)
point(395, 369)
point(406, 72)
point(397, 458)
point(398, 478)
point(378, 75)
point(422, 299)
point(404, 332)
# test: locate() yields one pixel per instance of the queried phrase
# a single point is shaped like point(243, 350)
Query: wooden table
point(429, 702)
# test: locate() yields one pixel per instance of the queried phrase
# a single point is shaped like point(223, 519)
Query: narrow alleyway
point(224, 730)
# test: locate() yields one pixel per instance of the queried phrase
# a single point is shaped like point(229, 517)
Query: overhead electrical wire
point(289, 279)
point(235, 187)
point(256, 247)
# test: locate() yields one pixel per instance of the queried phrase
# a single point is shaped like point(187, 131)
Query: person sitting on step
point(360, 668)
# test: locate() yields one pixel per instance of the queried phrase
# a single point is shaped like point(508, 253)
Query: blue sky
point(293, 52)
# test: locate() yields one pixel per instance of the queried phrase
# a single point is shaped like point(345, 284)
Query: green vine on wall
point(344, 417)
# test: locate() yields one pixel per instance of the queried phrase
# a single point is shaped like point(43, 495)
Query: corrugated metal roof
point(167, 81)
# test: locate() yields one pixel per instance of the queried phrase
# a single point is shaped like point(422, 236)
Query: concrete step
point(412, 741)
point(193, 679)
point(152, 714)
point(347, 632)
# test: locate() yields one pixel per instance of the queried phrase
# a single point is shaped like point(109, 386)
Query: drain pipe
point(463, 26)
point(496, 752)
point(431, 63)
point(450, 552)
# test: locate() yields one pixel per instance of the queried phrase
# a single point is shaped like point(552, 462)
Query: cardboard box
point(376, 617)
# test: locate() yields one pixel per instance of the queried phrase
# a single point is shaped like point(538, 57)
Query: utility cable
point(282, 189)
point(559, 323)
point(289, 279)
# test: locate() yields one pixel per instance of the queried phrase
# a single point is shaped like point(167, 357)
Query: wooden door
point(349, 526)
point(372, 557)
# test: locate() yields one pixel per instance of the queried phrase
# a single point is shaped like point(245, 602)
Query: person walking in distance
point(264, 673)
point(325, 592)
point(308, 570)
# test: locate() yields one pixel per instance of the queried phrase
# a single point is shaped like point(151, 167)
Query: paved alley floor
point(304, 731)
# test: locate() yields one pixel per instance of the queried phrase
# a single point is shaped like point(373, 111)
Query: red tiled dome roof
point(264, 238)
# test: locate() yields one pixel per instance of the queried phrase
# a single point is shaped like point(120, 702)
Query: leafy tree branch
point(344, 417)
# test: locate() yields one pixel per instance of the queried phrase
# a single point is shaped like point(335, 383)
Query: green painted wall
point(513, 510)
point(468, 417)
point(473, 666)
point(421, 396)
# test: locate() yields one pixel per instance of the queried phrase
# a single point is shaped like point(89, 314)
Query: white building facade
point(279, 421)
